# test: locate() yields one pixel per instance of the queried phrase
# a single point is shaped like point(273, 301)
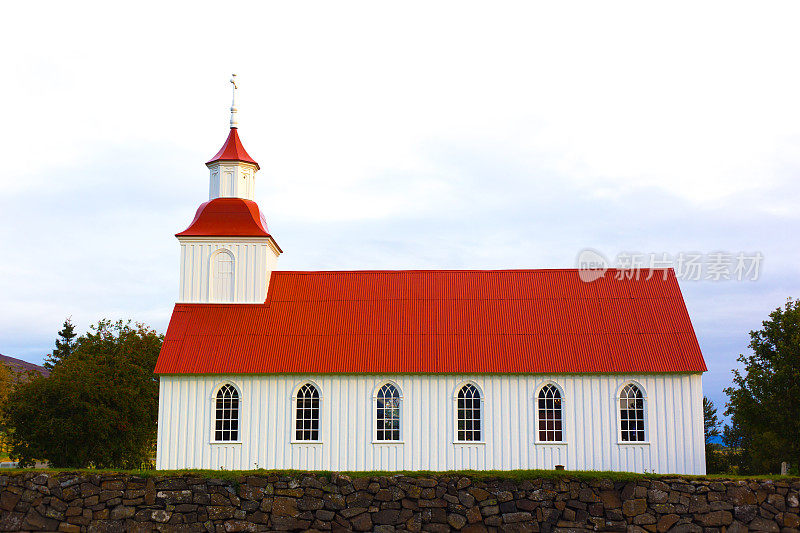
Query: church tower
point(227, 252)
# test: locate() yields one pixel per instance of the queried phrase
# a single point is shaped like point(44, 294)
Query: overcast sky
point(402, 135)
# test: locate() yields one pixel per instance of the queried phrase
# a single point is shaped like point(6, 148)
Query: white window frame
point(375, 414)
point(482, 409)
point(293, 435)
point(618, 415)
point(213, 413)
point(564, 440)
point(212, 260)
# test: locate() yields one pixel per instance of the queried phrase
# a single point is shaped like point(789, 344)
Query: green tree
point(65, 345)
point(99, 406)
point(716, 461)
point(764, 401)
point(710, 419)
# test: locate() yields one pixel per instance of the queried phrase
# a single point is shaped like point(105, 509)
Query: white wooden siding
point(254, 259)
point(674, 417)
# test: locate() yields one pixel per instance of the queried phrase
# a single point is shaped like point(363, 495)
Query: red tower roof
point(440, 321)
point(227, 217)
point(233, 150)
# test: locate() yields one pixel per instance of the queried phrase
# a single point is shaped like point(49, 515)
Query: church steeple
point(232, 170)
point(227, 252)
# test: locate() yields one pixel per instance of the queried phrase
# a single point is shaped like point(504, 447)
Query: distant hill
point(21, 367)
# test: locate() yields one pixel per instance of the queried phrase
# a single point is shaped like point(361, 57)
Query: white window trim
point(293, 433)
point(374, 414)
point(564, 437)
point(457, 442)
point(617, 415)
point(213, 413)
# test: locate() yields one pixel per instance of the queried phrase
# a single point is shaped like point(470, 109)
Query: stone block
point(644, 519)
point(284, 506)
point(634, 507)
point(224, 512)
point(610, 499)
point(745, 513)
point(666, 522)
point(508, 506)
point(762, 524)
point(361, 522)
point(490, 510)
point(386, 516)
point(587, 495)
point(113, 484)
point(121, 512)
point(288, 523)
point(240, 525)
point(352, 511)
point(511, 518)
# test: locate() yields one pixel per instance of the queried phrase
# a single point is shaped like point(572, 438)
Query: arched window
point(222, 276)
point(387, 413)
point(468, 407)
point(227, 414)
point(551, 422)
point(306, 421)
point(631, 414)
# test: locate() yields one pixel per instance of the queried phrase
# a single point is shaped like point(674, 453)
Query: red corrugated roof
point(453, 321)
point(233, 150)
point(229, 217)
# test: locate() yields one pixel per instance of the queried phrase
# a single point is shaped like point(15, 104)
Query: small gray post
point(784, 468)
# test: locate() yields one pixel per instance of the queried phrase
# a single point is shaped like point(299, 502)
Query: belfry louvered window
point(226, 427)
point(632, 414)
point(306, 422)
point(387, 413)
point(468, 413)
point(551, 422)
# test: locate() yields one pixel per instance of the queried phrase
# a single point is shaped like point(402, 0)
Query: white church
point(415, 369)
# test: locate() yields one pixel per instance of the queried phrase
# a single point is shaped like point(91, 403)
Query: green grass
point(483, 475)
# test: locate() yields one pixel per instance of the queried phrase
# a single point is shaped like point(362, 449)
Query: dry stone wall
point(73, 502)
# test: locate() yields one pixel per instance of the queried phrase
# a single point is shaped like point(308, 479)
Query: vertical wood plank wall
point(674, 413)
point(253, 262)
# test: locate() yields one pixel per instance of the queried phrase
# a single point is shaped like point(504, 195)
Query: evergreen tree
point(716, 462)
point(764, 402)
point(65, 345)
point(710, 419)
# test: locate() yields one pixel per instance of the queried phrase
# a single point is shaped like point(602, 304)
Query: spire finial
point(234, 109)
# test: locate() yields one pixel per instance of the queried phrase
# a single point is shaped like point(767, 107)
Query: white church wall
point(253, 259)
point(673, 406)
